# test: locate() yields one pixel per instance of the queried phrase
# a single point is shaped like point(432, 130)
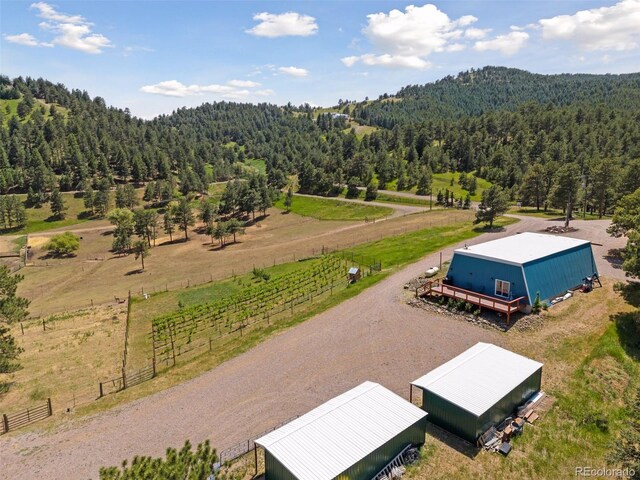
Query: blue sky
point(156, 56)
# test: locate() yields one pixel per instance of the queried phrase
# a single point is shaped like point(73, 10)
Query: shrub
point(537, 305)
point(261, 273)
point(63, 245)
point(468, 306)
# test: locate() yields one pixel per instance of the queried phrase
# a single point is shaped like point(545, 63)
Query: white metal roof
point(334, 436)
point(522, 248)
point(479, 377)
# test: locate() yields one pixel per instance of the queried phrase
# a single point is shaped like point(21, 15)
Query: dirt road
point(374, 336)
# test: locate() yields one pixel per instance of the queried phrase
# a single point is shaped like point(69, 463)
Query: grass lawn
point(551, 213)
point(327, 209)
point(40, 219)
point(400, 250)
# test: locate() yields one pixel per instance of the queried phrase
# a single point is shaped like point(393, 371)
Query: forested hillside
point(475, 92)
point(540, 137)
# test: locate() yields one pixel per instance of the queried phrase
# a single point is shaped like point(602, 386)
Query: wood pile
point(498, 439)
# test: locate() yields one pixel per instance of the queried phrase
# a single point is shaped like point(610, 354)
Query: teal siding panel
point(554, 275)
point(479, 275)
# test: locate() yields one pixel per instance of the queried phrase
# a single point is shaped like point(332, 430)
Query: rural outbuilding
point(478, 389)
point(354, 435)
point(522, 266)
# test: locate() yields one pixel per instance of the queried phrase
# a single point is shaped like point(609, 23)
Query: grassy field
point(591, 368)
point(389, 198)
point(327, 209)
point(257, 165)
point(9, 109)
point(550, 213)
point(64, 284)
point(442, 182)
point(41, 219)
point(66, 360)
point(411, 245)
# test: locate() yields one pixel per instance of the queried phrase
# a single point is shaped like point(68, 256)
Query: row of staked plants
point(174, 333)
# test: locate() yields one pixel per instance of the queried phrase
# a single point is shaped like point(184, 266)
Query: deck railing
point(475, 298)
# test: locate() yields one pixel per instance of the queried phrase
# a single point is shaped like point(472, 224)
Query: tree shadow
point(614, 257)
point(628, 330)
point(57, 256)
point(630, 292)
point(134, 272)
point(107, 233)
point(460, 445)
point(53, 218)
point(486, 229)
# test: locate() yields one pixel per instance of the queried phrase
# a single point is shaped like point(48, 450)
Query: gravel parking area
point(374, 336)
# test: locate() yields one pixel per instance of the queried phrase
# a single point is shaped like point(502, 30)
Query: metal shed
point(478, 389)
point(523, 265)
point(354, 436)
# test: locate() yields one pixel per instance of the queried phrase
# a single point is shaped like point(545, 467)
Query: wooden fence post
point(49, 405)
point(153, 364)
point(5, 422)
point(101, 392)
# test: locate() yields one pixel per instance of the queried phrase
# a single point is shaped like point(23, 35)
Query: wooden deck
point(482, 301)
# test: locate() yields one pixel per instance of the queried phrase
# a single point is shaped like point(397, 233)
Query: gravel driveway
point(374, 336)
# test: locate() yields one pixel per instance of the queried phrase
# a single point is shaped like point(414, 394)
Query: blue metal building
point(523, 265)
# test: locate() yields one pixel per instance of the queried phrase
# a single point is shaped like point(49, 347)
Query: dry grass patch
point(67, 360)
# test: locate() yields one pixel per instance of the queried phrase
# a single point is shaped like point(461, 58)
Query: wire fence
point(246, 446)
point(140, 289)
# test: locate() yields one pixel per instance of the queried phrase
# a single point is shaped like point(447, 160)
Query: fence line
point(30, 415)
point(126, 335)
point(126, 380)
point(245, 447)
point(208, 278)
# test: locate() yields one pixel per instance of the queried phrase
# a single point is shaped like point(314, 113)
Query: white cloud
point(78, 37)
point(507, 44)
point(294, 71)
point(416, 31)
point(476, 33)
point(27, 40)
point(264, 93)
point(234, 89)
point(243, 83)
point(285, 24)
point(71, 31)
point(606, 28)
point(387, 60)
point(49, 13)
point(350, 61)
point(406, 38)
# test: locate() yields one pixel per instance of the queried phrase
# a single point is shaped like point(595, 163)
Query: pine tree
point(288, 200)
point(58, 207)
point(183, 216)
point(495, 202)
